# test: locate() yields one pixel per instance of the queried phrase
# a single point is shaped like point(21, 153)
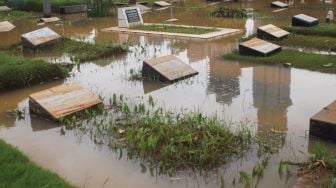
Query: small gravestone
point(6, 26)
point(330, 16)
point(46, 8)
point(271, 32)
point(129, 17)
point(50, 20)
point(279, 4)
point(40, 37)
point(168, 68)
point(304, 20)
point(162, 3)
point(4, 9)
point(72, 9)
point(323, 124)
point(258, 47)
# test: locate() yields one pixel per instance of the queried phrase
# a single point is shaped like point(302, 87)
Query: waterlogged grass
point(18, 171)
point(164, 140)
point(37, 5)
point(314, 62)
point(175, 29)
point(227, 12)
point(315, 42)
point(16, 15)
point(82, 51)
point(323, 29)
point(17, 71)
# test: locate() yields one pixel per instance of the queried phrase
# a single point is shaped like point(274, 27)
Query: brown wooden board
point(40, 37)
point(271, 32)
point(6, 26)
point(258, 47)
point(323, 124)
point(304, 20)
point(61, 101)
point(167, 67)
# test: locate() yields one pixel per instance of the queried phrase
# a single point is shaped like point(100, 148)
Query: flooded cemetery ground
point(268, 99)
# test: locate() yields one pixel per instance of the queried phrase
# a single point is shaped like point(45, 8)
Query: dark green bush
point(229, 12)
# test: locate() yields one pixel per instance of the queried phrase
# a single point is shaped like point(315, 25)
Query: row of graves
point(322, 124)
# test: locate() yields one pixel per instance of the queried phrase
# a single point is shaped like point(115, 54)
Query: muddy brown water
point(270, 97)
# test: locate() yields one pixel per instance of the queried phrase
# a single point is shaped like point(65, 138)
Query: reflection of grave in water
point(224, 80)
point(152, 85)
point(271, 96)
point(40, 124)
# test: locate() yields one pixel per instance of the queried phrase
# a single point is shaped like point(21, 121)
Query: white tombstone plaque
point(39, 37)
point(129, 16)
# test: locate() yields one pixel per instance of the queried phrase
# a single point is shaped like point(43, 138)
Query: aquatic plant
point(167, 141)
point(16, 15)
point(99, 8)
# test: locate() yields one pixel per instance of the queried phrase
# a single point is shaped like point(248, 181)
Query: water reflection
point(271, 96)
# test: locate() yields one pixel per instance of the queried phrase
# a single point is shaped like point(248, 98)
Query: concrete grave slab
point(162, 3)
point(6, 26)
point(168, 68)
point(271, 32)
point(279, 4)
point(62, 101)
point(323, 124)
point(304, 20)
point(258, 47)
point(72, 9)
point(4, 9)
point(40, 37)
point(129, 17)
point(50, 20)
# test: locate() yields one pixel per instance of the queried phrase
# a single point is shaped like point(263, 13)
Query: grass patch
point(16, 15)
point(227, 12)
point(17, 71)
point(37, 5)
point(166, 141)
point(175, 29)
point(18, 171)
point(315, 42)
point(2, 3)
point(314, 62)
point(82, 51)
point(323, 29)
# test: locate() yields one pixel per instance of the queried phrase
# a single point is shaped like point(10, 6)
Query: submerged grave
point(168, 68)
point(162, 3)
point(323, 124)
point(258, 47)
point(50, 20)
point(279, 4)
point(71, 9)
point(304, 20)
point(271, 32)
point(61, 101)
point(40, 37)
point(6, 26)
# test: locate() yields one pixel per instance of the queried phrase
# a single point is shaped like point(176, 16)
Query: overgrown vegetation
point(2, 2)
point(175, 29)
point(99, 8)
point(314, 62)
point(319, 170)
point(17, 71)
point(37, 5)
point(323, 29)
point(229, 12)
point(18, 171)
point(315, 42)
point(166, 141)
point(15, 15)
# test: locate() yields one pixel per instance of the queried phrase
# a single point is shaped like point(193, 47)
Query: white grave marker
point(129, 16)
point(39, 37)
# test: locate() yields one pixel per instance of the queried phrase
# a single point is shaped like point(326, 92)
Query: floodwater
point(270, 97)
